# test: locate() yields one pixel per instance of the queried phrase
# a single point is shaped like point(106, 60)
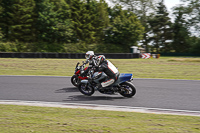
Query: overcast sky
point(169, 3)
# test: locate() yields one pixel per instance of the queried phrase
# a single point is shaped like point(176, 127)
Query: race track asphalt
point(151, 93)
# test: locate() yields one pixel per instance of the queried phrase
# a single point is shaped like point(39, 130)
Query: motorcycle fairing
point(123, 77)
point(82, 78)
point(78, 72)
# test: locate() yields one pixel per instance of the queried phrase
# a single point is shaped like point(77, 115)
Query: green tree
point(140, 7)
point(144, 9)
point(17, 20)
point(4, 4)
point(1, 32)
point(78, 10)
point(181, 39)
point(195, 45)
point(89, 19)
point(101, 22)
point(161, 29)
point(192, 12)
point(125, 29)
point(53, 23)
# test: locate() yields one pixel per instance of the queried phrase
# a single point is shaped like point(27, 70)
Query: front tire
point(75, 80)
point(127, 89)
point(85, 89)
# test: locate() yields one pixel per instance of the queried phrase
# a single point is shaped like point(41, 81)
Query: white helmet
point(89, 55)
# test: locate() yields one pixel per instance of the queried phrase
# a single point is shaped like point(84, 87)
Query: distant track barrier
point(67, 55)
point(145, 55)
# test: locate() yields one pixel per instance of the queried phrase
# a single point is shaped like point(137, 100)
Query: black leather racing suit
point(110, 70)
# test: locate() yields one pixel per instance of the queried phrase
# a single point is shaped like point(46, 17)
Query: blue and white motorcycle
point(122, 85)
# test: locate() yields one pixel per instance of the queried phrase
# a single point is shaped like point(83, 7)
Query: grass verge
point(25, 119)
point(164, 67)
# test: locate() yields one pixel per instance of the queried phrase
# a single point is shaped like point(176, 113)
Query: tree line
point(77, 26)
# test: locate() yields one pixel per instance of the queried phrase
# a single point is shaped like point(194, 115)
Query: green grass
point(164, 67)
point(27, 119)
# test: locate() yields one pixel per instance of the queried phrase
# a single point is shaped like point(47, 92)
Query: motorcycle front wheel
point(75, 80)
point(127, 89)
point(85, 89)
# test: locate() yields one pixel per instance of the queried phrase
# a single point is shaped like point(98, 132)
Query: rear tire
point(127, 89)
point(85, 89)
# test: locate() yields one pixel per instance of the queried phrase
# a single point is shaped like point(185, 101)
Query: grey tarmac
point(153, 95)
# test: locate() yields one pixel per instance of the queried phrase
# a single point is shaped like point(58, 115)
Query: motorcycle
point(76, 78)
point(122, 85)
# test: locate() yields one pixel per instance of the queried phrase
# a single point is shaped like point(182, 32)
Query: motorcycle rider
point(103, 65)
point(91, 59)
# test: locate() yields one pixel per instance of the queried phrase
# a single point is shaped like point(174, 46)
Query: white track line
point(102, 107)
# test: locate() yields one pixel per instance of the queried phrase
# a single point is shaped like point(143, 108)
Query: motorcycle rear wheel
point(85, 89)
point(75, 80)
point(127, 89)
